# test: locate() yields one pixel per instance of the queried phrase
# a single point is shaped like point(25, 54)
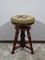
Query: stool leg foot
point(15, 40)
point(29, 37)
point(12, 52)
point(32, 52)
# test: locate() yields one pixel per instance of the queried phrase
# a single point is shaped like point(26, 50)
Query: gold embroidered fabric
point(22, 19)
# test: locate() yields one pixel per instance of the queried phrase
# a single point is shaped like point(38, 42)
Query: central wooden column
point(22, 39)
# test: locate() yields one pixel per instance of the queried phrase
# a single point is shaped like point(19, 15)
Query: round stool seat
point(22, 19)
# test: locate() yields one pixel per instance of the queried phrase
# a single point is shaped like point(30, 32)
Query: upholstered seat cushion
point(22, 19)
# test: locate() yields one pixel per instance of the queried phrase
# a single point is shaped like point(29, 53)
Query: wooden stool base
point(22, 43)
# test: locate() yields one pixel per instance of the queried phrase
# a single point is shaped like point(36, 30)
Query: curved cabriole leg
point(29, 37)
point(15, 40)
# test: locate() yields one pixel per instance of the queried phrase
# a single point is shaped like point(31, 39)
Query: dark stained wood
point(30, 42)
point(15, 40)
point(26, 42)
point(22, 42)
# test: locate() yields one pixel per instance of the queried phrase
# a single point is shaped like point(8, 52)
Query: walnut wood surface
point(22, 43)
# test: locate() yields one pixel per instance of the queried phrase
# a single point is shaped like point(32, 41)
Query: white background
point(10, 8)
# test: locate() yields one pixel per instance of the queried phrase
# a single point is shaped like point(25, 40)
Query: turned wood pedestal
point(22, 43)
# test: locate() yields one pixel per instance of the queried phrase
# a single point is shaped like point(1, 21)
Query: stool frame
point(22, 43)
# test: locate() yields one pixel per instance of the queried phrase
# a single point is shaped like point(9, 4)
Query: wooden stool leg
point(15, 40)
point(29, 37)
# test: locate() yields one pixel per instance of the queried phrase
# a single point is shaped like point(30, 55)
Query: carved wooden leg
point(15, 40)
point(29, 37)
point(22, 39)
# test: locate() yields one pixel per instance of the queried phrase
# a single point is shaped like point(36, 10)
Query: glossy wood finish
point(15, 40)
point(22, 43)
